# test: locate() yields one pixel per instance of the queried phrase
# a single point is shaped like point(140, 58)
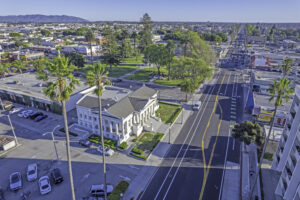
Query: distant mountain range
point(41, 19)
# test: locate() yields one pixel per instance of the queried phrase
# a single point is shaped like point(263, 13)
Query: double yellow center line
point(207, 167)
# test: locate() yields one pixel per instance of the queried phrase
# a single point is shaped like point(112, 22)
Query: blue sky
point(161, 10)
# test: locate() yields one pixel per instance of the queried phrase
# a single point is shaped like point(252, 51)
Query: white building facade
point(287, 158)
point(120, 119)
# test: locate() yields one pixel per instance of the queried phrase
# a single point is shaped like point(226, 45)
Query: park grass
point(118, 71)
point(176, 82)
point(168, 112)
point(145, 73)
point(133, 60)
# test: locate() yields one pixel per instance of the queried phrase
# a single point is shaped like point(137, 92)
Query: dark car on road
point(35, 114)
point(56, 176)
point(40, 118)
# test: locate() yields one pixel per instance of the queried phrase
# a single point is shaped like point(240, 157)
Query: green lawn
point(119, 189)
point(143, 74)
point(133, 60)
point(118, 71)
point(176, 82)
point(148, 140)
point(168, 112)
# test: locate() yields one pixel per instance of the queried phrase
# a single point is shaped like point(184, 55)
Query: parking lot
point(37, 147)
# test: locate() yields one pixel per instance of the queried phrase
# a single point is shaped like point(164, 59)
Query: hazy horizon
point(236, 11)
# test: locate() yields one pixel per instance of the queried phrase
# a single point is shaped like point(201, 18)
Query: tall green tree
point(94, 77)
point(187, 86)
point(126, 49)
point(156, 54)
point(19, 65)
point(90, 37)
point(60, 90)
point(248, 133)
point(110, 48)
point(280, 91)
point(4, 69)
point(76, 59)
point(146, 33)
point(170, 47)
point(286, 67)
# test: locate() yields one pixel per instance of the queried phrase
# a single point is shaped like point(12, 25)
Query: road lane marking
point(208, 124)
point(207, 102)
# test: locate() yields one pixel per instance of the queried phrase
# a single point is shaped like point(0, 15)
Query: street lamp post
point(12, 129)
point(52, 134)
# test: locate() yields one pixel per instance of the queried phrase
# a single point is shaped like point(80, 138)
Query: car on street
point(27, 113)
point(107, 150)
point(40, 118)
point(56, 176)
point(98, 190)
point(32, 172)
point(35, 114)
point(197, 105)
point(84, 142)
point(44, 185)
point(15, 181)
point(15, 110)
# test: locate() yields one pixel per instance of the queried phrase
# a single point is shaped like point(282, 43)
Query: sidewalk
point(231, 182)
point(141, 181)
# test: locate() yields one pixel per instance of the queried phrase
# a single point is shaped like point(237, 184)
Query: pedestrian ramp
point(231, 184)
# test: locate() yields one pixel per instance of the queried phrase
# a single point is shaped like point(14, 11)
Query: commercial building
point(26, 89)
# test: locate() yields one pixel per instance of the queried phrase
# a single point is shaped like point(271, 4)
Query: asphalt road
point(193, 168)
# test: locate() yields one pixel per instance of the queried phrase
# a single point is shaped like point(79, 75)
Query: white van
point(197, 105)
point(98, 190)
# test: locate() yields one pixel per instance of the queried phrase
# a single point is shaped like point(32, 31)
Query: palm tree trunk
point(262, 155)
point(102, 144)
point(68, 149)
point(91, 53)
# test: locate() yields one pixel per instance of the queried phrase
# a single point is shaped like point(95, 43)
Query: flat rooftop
point(27, 84)
point(262, 100)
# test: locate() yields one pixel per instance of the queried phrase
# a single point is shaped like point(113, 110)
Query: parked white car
point(25, 113)
point(108, 151)
point(15, 181)
point(32, 172)
point(44, 184)
point(15, 110)
point(98, 190)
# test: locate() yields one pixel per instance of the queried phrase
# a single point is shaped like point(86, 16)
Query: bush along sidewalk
point(145, 145)
point(108, 143)
point(119, 191)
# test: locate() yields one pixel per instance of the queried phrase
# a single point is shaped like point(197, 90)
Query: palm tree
point(170, 47)
point(40, 63)
point(60, 90)
point(280, 91)
point(4, 68)
point(90, 37)
point(19, 66)
point(286, 67)
point(94, 78)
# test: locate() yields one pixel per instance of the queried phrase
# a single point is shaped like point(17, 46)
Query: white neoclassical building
point(122, 118)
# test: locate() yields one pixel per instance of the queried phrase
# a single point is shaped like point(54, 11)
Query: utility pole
point(12, 128)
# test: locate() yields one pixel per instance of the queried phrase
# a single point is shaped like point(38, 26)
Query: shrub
point(177, 112)
point(159, 136)
point(123, 145)
point(137, 151)
point(119, 189)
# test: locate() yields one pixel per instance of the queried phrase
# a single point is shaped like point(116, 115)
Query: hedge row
point(175, 115)
point(160, 135)
point(119, 189)
point(123, 145)
point(137, 151)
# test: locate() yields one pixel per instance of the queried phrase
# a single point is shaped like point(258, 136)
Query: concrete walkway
point(231, 183)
